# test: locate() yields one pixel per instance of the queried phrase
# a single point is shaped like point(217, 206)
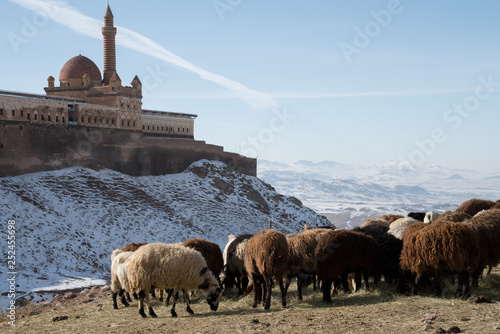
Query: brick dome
point(77, 66)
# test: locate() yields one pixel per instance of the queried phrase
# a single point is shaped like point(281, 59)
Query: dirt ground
point(378, 311)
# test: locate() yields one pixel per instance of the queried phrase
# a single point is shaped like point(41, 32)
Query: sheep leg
point(300, 283)
point(186, 298)
point(169, 294)
point(283, 293)
point(438, 284)
point(127, 295)
point(153, 292)
point(490, 268)
point(287, 283)
point(357, 281)
point(314, 282)
point(327, 287)
point(115, 305)
point(141, 303)
point(244, 284)
point(150, 309)
point(366, 276)
point(345, 283)
point(172, 310)
point(417, 281)
point(160, 296)
point(463, 285)
point(267, 292)
point(123, 299)
point(136, 297)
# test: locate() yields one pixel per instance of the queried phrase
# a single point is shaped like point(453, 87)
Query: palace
point(92, 120)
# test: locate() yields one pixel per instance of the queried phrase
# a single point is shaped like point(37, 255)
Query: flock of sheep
point(404, 251)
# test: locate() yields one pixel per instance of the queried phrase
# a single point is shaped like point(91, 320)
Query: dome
point(76, 67)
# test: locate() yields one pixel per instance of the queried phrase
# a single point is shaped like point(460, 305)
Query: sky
point(349, 81)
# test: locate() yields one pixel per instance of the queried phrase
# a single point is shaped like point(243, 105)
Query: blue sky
point(350, 81)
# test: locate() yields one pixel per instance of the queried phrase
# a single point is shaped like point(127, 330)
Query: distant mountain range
point(349, 194)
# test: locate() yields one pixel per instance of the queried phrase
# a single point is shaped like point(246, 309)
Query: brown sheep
point(266, 258)
point(302, 257)
point(436, 248)
point(452, 216)
point(390, 217)
point(487, 226)
point(341, 252)
point(210, 251)
point(133, 246)
point(375, 221)
point(473, 206)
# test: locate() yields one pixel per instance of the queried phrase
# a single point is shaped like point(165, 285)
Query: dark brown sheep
point(266, 258)
point(436, 248)
point(341, 252)
point(210, 251)
point(473, 206)
point(302, 257)
point(487, 226)
point(452, 216)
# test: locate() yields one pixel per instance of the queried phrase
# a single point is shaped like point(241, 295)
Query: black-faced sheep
point(341, 252)
point(302, 257)
point(474, 205)
point(266, 258)
point(417, 215)
point(391, 250)
point(452, 216)
point(234, 272)
point(171, 267)
point(437, 248)
point(119, 277)
point(487, 226)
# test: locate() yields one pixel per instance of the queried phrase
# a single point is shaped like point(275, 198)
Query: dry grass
point(380, 311)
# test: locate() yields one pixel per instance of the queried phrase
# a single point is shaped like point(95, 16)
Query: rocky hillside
point(69, 221)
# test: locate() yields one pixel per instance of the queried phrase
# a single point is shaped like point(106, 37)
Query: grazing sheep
point(171, 267)
point(430, 217)
point(486, 224)
point(452, 216)
point(405, 221)
point(266, 258)
point(417, 215)
point(119, 278)
point(302, 257)
point(234, 272)
point(390, 218)
point(341, 252)
point(210, 251)
point(390, 247)
point(473, 206)
point(375, 221)
point(438, 248)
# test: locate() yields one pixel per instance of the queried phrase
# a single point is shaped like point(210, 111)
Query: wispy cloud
point(62, 13)
point(325, 95)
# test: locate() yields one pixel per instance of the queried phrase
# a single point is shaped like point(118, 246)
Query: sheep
point(302, 258)
point(405, 221)
point(119, 278)
point(452, 216)
point(430, 217)
point(234, 272)
point(375, 221)
point(474, 205)
point(417, 215)
point(266, 258)
point(171, 267)
point(210, 251)
point(487, 226)
point(436, 248)
point(133, 246)
point(397, 231)
point(390, 218)
point(390, 247)
point(341, 252)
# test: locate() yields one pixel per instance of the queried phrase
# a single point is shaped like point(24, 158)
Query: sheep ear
point(205, 285)
point(203, 271)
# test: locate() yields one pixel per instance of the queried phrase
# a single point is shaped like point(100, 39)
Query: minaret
point(109, 33)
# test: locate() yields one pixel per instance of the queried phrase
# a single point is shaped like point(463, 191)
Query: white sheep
point(397, 231)
point(171, 267)
point(119, 278)
point(406, 221)
point(430, 217)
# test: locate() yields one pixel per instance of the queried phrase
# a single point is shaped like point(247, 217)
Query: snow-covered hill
point(69, 221)
point(349, 194)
